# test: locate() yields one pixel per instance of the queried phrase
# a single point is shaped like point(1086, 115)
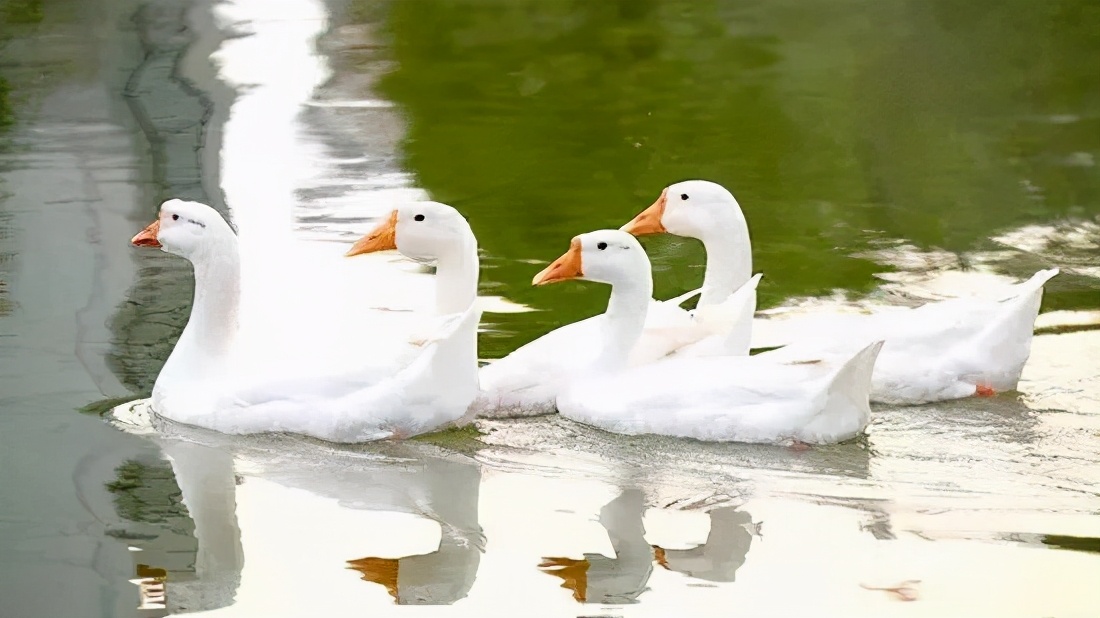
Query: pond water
point(884, 153)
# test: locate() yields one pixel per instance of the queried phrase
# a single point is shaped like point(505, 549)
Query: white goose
point(527, 381)
point(207, 380)
point(943, 350)
point(727, 399)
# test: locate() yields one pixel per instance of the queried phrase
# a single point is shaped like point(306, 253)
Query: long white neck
point(215, 312)
point(456, 277)
point(729, 256)
point(204, 346)
point(453, 364)
point(624, 320)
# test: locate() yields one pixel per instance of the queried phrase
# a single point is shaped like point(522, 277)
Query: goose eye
point(175, 217)
point(601, 246)
point(419, 217)
point(684, 196)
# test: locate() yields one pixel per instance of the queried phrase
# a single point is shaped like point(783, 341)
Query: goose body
point(715, 398)
point(433, 391)
point(209, 381)
point(527, 381)
point(731, 399)
point(939, 351)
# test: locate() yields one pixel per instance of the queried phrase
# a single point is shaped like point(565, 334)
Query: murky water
point(884, 152)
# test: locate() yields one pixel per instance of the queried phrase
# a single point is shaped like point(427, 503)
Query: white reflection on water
point(1072, 245)
point(305, 173)
point(917, 276)
point(288, 527)
point(300, 297)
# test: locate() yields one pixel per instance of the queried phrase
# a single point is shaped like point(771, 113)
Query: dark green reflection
point(834, 123)
point(7, 114)
point(21, 11)
point(1076, 543)
point(7, 119)
point(146, 492)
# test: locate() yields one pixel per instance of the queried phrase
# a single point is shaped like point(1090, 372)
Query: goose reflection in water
point(447, 574)
point(441, 577)
point(726, 549)
point(208, 488)
point(329, 488)
point(621, 580)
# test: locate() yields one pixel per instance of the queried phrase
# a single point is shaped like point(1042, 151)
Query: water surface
point(884, 152)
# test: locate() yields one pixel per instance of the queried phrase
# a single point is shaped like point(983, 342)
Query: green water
point(835, 124)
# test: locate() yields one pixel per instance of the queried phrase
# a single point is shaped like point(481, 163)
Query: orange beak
point(567, 266)
point(148, 236)
point(381, 238)
point(649, 220)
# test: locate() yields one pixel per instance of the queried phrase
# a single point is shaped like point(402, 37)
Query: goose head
point(185, 229)
point(423, 231)
point(605, 256)
point(692, 208)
